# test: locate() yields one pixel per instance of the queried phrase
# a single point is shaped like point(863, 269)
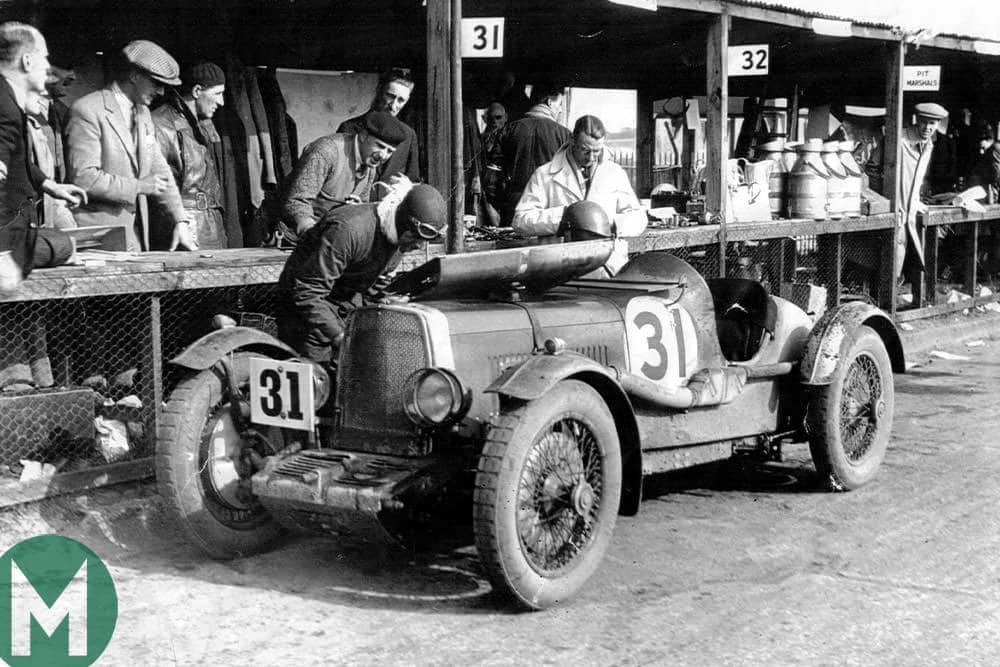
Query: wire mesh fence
point(80, 378)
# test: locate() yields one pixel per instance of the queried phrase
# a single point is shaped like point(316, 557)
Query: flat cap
point(154, 61)
point(386, 127)
point(931, 110)
point(204, 74)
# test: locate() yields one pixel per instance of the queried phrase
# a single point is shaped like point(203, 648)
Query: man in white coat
point(580, 170)
point(916, 145)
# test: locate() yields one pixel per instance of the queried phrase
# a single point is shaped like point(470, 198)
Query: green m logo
point(58, 604)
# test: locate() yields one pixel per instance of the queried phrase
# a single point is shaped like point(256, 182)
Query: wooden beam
point(717, 141)
point(455, 242)
point(645, 142)
point(888, 270)
point(439, 148)
point(776, 16)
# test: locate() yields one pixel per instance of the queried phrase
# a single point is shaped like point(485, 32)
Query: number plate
point(281, 394)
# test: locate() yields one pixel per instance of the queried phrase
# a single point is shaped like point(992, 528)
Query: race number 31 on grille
point(281, 394)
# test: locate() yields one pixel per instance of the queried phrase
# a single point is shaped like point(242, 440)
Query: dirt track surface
point(730, 566)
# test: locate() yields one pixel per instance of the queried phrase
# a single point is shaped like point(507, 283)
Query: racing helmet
point(585, 221)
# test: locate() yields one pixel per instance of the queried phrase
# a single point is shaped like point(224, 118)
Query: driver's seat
point(745, 315)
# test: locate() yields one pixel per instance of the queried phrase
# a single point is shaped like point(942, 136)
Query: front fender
point(211, 347)
point(832, 332)
point(537, 375)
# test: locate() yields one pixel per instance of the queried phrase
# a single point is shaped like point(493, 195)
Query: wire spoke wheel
point(547, 491)
point(860, 406)
point(849, 420)
point(559, 495)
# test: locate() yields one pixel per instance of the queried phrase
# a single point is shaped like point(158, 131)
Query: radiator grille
point(384, 347)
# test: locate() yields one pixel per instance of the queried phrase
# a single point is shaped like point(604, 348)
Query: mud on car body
point(544, 397)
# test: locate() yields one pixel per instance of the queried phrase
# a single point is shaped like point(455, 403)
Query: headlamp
point(435, 396)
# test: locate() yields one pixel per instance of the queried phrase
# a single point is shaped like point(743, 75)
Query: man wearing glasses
point(338, 260)
point(114, 154)
point(579, 171)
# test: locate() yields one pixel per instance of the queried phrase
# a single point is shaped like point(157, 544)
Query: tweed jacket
point(105, 161)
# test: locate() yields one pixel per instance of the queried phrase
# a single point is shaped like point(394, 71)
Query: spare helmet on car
point(585, 221)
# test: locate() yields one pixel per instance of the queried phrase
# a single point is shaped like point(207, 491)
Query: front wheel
point(547, 492)
point(848, 422)
point(203, 489)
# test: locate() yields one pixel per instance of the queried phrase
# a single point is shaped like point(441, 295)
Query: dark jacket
point(187, 147)
point(526, 145)
point(405, 160)
point(22, 185)
point(24, 178)
point(985, 170)
point(334, 263)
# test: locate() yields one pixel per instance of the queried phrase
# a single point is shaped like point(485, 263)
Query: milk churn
point(836, 182)
point(807, 183)
point(852, 184)
point(777, 180)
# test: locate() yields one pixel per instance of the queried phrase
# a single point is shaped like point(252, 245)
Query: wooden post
point(645, 142)
point(717, 141)
point(456, 202)
point(971, 259)
point(439, 132)
point(888, 270)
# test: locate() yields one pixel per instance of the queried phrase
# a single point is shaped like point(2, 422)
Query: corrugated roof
point(977, 19)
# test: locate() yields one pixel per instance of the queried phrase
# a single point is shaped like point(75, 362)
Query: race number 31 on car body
point(662, 341)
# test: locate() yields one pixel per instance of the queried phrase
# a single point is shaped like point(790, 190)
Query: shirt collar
point(123, 101)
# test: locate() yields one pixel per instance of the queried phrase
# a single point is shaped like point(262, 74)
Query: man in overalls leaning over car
point(341, 257)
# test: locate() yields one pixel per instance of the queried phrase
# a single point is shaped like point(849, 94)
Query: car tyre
point(848, 422)
point(547, 492)
point(196, 479)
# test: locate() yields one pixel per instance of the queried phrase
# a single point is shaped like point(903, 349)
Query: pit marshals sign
point(922, 77)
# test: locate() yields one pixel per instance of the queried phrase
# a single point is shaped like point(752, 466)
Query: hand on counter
point(10, 273)
point(183, 236)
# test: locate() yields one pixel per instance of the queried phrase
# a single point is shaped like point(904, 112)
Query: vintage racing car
point(540, 398)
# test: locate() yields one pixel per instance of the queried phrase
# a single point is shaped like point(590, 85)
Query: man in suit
point(393, 93)
point(114, 154)
point(24, 65)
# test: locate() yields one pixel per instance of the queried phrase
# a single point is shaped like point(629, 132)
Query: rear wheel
point(849, 421)
point(200, 470)
point(547, 494)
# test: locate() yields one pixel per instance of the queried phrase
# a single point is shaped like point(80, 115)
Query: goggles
point(426, 231)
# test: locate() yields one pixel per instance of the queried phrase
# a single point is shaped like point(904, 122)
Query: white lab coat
point(559, 183)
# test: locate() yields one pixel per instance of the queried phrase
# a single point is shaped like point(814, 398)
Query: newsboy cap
point(154, 61)
point(386, 127)
point(204, 74)
point(931, 110)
